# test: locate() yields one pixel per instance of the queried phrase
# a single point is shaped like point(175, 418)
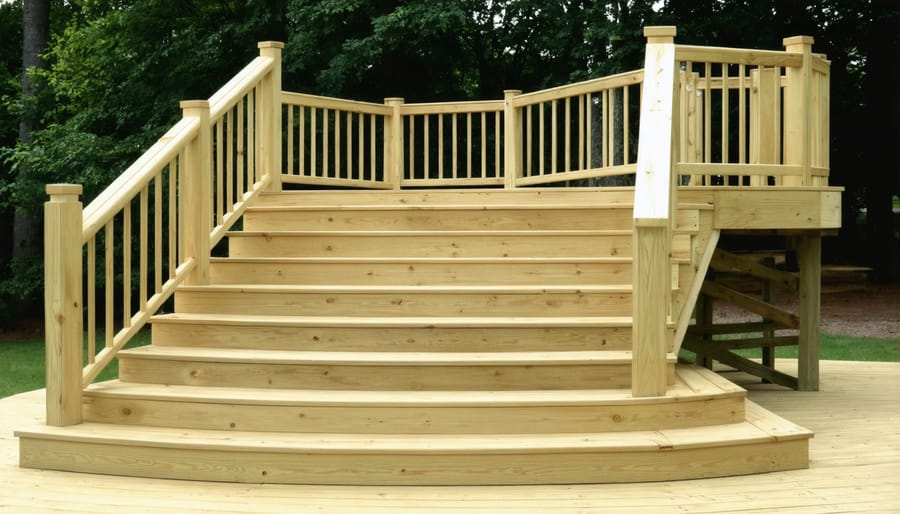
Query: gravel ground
point(847, 309)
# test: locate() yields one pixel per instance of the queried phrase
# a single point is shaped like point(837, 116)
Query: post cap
point(269, 44)
point(512, 92)
point(394, 100)
point(194, 104)
point(660, 32)
point(798, 40)
point(64, 189)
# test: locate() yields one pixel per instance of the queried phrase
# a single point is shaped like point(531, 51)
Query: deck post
point(512, 139)
point(63, 303)
point(798, 112)
point(270, 117)
point(196, 194)
point(393, 143)
point(809, 251)
point(654, 211)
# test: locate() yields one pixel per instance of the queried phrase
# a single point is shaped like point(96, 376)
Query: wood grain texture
point(853, 469)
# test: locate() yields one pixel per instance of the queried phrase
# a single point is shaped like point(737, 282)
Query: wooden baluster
point(62, 303)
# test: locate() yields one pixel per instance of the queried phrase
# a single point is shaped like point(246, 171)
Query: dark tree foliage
point(118, 68)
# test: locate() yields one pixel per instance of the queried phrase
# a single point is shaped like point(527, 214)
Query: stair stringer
point(703, 246)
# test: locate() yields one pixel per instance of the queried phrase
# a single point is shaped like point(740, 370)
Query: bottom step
point(762, 443)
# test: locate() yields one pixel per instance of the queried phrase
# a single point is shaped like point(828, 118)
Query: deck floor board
point(854, 467)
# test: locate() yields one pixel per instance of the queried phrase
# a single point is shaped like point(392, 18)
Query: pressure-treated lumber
point(719, 450)
point(360, 333)
point(809, 257)
point(380, 370)
point(445, 300)
point(694, 399)
point(446, 244)
point(854, 469)
point(63, 303)
point(387, 271)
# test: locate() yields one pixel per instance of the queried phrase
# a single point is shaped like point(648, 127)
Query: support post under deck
point(809, 252)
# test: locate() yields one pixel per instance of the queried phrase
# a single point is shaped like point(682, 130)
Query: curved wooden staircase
point(410, 337)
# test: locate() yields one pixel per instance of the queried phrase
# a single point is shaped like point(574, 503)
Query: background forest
point(105, 77)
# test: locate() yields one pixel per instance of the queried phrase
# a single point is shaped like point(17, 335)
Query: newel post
point(195, 198)
point(63, 303)
point(798, 111)
point(654, 211)
point(270, 116)
point(393, 143)
point(512, 139)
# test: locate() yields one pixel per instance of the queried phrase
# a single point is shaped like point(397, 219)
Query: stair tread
point(442, 207)
point(408, 289)
point(207, 354)
point(677, 392)
point(403, 322)
point(417, 233)
point(434, 260)
point(748, 432)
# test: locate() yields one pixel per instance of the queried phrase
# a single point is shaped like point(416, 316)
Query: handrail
point(137, 176)
point(627, 78)
point(738, 56)
point(237, 87)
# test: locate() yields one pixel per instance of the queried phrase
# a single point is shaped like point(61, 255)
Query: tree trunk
point(35, 34)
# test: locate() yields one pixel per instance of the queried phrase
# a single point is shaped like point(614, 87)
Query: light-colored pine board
point(631, 461)
point(853, 469)
point(392, 334)
point(379, 370)
point(422, 272)
point(405, 301)
point(588, 196)
point(475, 217)
point(409, 412)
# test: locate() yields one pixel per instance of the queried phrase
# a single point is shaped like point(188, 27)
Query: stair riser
point(380, 377)
point(364, 419)
point(436, 339)
point(432, 219)
point(408, 468)
point(477, 218)
point(435, 246)
point(409, 197)
point(439, 246)
point(419, 273)
point(404, 304)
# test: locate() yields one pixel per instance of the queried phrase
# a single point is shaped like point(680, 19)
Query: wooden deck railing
point(707, 117)
point(753, 117)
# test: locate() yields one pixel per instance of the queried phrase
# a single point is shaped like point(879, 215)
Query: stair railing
point(654, 215)
point(153, 226)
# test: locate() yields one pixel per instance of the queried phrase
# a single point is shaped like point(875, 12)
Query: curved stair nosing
point(455, 459)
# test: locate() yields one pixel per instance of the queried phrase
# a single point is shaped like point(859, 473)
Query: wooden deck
point(854, 467)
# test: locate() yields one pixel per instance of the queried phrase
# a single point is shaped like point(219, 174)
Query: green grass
point(22, 363)
point(837, 348)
